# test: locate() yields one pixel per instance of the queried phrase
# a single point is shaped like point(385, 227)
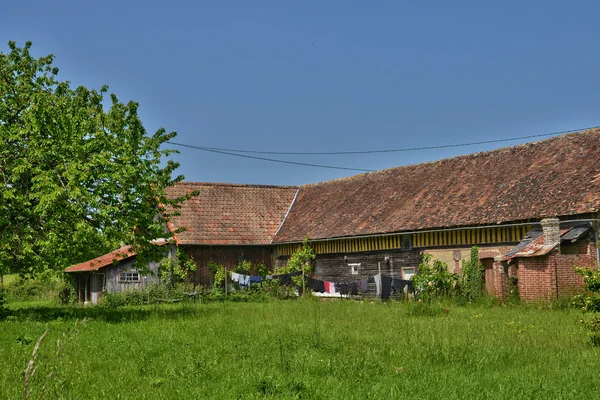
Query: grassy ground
point(302, 349)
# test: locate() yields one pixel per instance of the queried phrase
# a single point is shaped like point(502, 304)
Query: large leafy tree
point(77, 176)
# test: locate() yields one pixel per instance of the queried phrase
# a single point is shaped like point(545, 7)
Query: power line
point(270, 159)
point(444, 146)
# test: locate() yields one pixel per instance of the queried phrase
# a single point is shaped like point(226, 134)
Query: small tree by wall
point(472, 281)
point(302, 260)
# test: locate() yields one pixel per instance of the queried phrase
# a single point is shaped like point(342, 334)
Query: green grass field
point(298, 349)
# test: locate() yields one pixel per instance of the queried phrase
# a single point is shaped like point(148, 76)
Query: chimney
point(551, 230)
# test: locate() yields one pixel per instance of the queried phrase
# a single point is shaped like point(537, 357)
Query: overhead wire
point(236, 152)
point(443, 146)
point(272, 159)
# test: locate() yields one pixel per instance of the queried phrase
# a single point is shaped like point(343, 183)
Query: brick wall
point(536, 278)
point(552, 276)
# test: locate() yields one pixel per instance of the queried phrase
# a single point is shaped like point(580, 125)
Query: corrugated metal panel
point(575, 233)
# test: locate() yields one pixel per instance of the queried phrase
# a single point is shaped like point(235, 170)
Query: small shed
point(110, 273)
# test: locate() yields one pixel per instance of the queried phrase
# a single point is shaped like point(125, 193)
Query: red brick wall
point(553, 276)
point(536, 278)
point(570, 283)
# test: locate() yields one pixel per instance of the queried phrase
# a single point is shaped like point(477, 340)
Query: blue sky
point(327, 76)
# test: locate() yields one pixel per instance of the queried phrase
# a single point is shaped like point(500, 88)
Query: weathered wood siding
point(334, 268)
point(113, 284)
point(337, 267)
point(227, 256)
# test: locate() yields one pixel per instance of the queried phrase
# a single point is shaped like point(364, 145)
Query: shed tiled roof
point(230, 214)
point(103, 261)
point(554, 177)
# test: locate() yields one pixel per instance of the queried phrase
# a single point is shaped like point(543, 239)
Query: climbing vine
point(176, 269)
point(472, 281)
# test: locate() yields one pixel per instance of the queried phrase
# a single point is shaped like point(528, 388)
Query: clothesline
point(385, 285)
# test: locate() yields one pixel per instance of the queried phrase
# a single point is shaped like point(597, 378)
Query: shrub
point(472, 281)
point(24, 289)
point(2, 298)
point(433, 280)
point(591, 279)
point(149, 295)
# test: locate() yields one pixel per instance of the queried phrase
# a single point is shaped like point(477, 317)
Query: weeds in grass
point(32, 367)
point(299, 349)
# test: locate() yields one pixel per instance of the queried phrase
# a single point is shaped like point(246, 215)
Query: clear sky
point(327, 75)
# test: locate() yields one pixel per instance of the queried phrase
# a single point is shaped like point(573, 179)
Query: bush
point(48, 285)
point(2, 297)
point(591, 279)
point(24, 289)
point(433, 280)
point(152, 294)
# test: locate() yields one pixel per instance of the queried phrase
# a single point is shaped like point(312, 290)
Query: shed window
point(129, 276)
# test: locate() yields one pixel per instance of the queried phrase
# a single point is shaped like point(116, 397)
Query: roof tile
point(553, 177)
point(230, 214)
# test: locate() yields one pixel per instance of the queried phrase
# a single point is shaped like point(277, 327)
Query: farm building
point(112, 272)
point(532, 209)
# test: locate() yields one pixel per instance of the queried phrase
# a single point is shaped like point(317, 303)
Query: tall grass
point(300, 349)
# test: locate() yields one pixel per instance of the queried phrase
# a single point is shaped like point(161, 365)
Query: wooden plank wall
point(112, 276)
point(227, 256)
point(336, 268)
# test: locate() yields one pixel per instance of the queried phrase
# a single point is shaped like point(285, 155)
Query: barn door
point(489, 276)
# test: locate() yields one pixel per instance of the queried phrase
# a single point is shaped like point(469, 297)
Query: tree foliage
point(78, 176)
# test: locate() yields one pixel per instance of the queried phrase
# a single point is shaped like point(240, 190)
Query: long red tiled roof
point(554, 177)
point(230, 214)
point(102, 261)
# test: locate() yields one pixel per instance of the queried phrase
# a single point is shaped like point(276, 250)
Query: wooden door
point(489, 276)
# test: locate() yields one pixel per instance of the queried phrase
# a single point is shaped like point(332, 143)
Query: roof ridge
point(567, 136)
point(227, 184)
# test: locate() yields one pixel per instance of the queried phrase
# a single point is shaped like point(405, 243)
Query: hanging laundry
point(244, 280)
point(363, 285)
point(377, 280)
point(286, 279)
point(235, 277)
point(398, 285)
point(314, 284)
point(386, 285)
point(330, 287)
point(320, 286)
point(411, 287)
point(353, 288)
point(341, 288)
point(255, 279)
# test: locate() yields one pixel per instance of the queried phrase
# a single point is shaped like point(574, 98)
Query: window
point(129, 276)
point(354, 268)
point(408, 272)
point(406, 242)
